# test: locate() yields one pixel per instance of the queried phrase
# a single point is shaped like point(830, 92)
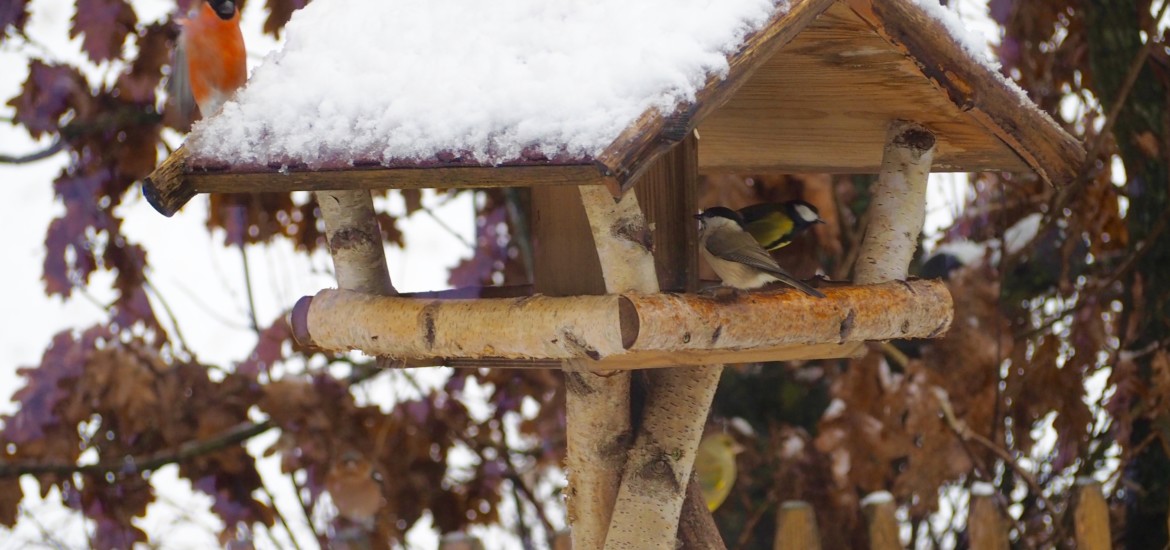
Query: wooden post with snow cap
point(796, 527)
point(1091, 516)
point(985, 528)
point(881, 524)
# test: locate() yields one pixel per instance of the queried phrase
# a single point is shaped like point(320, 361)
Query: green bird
point(715, 467)
point(775, 224)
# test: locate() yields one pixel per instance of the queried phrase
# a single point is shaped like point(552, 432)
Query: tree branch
point(45, 153)
point(132, 465)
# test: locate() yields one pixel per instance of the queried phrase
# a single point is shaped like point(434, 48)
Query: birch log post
point(355, 241)
point(898, 205)
point(659, 463)
point(355, 244)
point(598, 406)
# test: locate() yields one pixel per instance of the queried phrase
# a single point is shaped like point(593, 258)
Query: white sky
point(201, 280)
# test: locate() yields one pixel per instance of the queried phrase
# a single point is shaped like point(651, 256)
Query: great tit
point(735, 255)
point(775, 224)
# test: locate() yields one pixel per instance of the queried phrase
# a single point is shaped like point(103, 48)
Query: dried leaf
point(105, 24)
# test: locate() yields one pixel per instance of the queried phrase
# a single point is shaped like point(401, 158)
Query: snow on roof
point(390, 81)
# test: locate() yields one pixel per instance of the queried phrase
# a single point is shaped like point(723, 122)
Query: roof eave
point(1043, 145)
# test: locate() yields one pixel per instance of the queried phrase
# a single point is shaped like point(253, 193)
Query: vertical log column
point(355, 244)
point(658, 468)
point(597, 406)
point(898, 205)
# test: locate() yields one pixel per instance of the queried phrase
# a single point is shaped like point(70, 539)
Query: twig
point(745, 535)
point(965, 433)
point(522, 526)
point(47, 152)
point(132, 465)
point(248, 288)
point(448, 228)
point(170, 314)
point(280, 517)
point(520, 225)
point(305, 509)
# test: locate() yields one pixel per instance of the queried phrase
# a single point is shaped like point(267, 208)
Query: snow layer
point(405, 80)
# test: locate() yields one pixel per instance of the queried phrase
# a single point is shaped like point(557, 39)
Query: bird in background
point(210, 60)
point(775, 224)
point(715, 467)
point(736, 257)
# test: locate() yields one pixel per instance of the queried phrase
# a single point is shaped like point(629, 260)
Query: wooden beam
point(654, 133)
point(180, 177)
point(622, 331)
point(667, 192)
point(1037, 139)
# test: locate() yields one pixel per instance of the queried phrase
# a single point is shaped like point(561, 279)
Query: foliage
point(1052, 333)
point(130, 398)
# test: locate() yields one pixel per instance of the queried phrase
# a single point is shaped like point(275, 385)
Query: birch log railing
point(623, 331)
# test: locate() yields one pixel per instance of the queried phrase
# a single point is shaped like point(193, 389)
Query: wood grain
point(824, 102)
point(1047, 149)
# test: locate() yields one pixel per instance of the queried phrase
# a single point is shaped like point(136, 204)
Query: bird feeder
point(829, 86)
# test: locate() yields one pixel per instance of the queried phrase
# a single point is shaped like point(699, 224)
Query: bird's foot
point(722, 293)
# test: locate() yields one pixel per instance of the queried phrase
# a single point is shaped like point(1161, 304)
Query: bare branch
point(45, 153)
point(132, 465)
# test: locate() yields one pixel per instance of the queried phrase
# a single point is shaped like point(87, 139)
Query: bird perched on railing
point(736, 257)
point(210, 59)
point(775, 224)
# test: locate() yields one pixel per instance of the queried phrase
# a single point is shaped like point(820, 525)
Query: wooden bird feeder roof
point(812, 90)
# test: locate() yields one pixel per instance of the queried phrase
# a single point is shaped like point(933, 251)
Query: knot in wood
point(349, 237)
point(915, 138)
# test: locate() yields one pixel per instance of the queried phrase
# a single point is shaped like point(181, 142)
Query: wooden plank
point(1092, 517)
point(179, 178)
point(655, 132)
point(1051, 152)
point(564, 257)
point(836, 87)
point(667, 193)
point(796, 527)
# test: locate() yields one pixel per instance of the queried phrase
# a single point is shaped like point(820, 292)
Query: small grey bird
point(737, 257)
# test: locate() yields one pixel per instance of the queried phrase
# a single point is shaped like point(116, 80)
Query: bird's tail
point(798, 285)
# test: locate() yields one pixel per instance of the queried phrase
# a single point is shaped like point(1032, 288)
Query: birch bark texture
point(598, 406)
point(898, 205)
point(355, 241)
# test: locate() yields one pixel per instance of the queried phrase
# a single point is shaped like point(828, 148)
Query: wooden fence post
point(1091, 517)
point(880, 522)
point(985, 527)
point(796, 527)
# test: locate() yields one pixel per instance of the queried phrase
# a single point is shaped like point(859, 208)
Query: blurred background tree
point(1057, 361)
